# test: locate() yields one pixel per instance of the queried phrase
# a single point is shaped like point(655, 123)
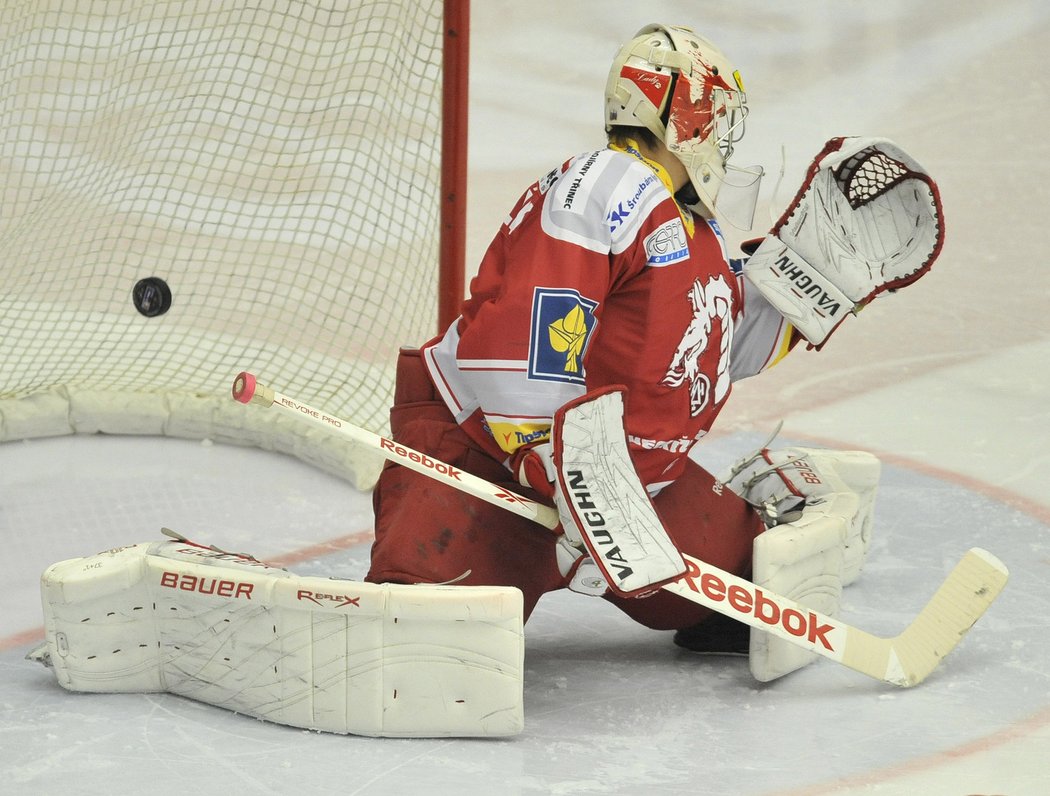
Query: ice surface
point(946, 381)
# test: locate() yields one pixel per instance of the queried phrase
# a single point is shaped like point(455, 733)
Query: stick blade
point(962, 599)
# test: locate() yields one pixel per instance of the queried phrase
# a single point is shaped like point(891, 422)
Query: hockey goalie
point(602, 336)
point(611, 276)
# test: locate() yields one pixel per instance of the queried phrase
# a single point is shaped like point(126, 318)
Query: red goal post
point(189, 190)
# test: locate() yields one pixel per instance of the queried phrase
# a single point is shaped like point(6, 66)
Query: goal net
point(191, 188)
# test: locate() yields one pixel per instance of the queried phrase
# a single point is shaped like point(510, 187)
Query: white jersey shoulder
point(601, 200)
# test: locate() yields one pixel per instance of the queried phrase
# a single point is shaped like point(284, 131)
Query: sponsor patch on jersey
point(667, 244)
point(619, 215)
point(562, 322)
point(548, 180)
point(575, 196)
point(511, 436)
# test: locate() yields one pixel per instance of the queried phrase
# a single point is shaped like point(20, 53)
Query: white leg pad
point(333, 655)
point(803, 560)
point(775, 480)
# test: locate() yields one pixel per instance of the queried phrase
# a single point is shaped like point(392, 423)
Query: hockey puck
point(244, 387)
point(151, 296)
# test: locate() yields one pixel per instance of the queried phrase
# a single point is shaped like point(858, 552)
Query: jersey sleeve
point(762, 335)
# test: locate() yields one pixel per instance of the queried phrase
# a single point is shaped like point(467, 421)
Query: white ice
point(947, 382)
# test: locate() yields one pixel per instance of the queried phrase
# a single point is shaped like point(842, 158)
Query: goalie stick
point(903, 660)
point(247, 390)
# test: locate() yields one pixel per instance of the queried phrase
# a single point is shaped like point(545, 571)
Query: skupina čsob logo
point(562, 322)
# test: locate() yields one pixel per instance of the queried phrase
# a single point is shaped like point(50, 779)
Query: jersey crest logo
point(711, 303)
point(562, 322)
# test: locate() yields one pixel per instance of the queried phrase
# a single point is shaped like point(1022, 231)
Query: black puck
point(151, 296)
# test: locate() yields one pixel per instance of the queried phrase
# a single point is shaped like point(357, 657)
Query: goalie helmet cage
point(191, 189)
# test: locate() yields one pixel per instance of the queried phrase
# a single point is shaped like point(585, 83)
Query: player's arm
point(762, 336)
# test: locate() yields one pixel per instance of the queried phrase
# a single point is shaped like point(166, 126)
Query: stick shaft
point(395, 452)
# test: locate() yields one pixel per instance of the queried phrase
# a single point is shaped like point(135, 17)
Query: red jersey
point(599, 277)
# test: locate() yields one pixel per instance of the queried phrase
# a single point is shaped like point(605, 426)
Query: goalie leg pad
point(778, 482)
point(322, 654)
point(802, 560)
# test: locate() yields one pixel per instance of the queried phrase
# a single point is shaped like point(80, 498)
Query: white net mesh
point(275, 164)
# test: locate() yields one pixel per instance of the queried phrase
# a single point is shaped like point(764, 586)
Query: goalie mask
point(685, 91)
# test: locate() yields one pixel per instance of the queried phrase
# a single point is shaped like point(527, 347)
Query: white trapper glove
point(867, 219)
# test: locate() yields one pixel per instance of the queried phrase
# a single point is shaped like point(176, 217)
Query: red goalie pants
point(427, 532)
